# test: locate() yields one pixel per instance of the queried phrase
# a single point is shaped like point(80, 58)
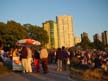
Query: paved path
point(53, 75)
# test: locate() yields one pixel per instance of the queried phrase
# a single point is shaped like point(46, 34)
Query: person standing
point(24, 58)
point(2, 54)
point(29, 59)
point(44, 59)
point(59, 58)
point(36, 57)
point(65, 57)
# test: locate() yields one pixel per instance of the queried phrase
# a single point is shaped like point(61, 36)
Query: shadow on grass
point(3, 69)
point(88, 74)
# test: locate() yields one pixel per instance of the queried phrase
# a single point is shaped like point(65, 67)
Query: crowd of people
point(91, 58)
point(62, 57)
point(88, 58)
point(27, 56)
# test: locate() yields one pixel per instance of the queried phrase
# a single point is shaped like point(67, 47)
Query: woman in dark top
point(59, 58)
point(36, 60)
point(24, 59)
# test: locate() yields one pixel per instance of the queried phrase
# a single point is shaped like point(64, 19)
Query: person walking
point(44, 59)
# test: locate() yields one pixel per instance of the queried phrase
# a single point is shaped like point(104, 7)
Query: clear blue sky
point(88, 15)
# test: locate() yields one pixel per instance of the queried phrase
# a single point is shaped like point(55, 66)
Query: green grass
point(3, 69)
point(89, 74)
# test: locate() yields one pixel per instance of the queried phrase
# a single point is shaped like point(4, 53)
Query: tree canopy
point(98, 44)
point(85, 43)
point(12, 31)
point(37, 33)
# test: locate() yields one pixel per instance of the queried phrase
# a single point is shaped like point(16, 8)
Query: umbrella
point(28, 42)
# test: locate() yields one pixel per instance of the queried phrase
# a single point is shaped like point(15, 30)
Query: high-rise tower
point(98, 37)
point(65, 31)
point(51, 28)
point(105, 38)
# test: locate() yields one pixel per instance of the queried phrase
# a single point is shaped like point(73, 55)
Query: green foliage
point(43, 36)
point(98, 44)
point(11, 32)
point(85, 43)
point(37, 33)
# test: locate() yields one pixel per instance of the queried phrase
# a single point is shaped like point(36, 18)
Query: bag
point(68, 61)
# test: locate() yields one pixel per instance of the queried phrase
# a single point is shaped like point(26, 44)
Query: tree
point(85, 43)
point(98, 44)
point(37, 33)
point(11, 32)
point(17, 29)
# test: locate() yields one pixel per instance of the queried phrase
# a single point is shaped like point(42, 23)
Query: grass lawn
point(89, 74)
point(3, 69)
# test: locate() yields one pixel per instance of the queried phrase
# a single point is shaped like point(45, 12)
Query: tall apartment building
point(98, 37)
point(105, 38)
point(84, 34)
point(65, 31)
point(51, 28)
point(77, 40)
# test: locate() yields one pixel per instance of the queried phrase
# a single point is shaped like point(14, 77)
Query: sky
point(89, 16)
